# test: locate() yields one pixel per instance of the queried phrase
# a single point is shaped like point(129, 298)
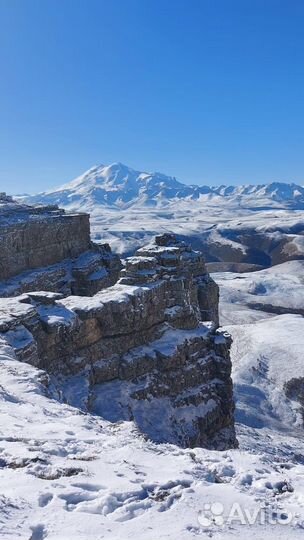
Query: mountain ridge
point(119, 186)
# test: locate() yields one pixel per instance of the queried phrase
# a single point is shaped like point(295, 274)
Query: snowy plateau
point(257, 225)
point(69, 474)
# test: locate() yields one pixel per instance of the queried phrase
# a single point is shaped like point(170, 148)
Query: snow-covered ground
point(66, 474)
point(249, 296)
point(203, 224)
point(129, 207)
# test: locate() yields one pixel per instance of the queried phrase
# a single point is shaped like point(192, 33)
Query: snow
point(121, 186)
point(216, 238)
point(12, 310)
point(119, 294)
point(56, 315)
point(276, 289)
point(136, 226)
point(67, 474)
point(19, 337)
point(129, 207)
point(266, 355)
point(168, 343)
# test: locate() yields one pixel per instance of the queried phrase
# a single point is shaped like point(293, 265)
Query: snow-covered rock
point(145, 349)
point(46, 248)
point(84, 470)
point(69, 474)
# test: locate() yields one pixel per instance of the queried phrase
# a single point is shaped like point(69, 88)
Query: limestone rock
point(167, 257)
point(148, 346)
point(46, 248)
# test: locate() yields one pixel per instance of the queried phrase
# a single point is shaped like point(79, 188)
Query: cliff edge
point(146, 349)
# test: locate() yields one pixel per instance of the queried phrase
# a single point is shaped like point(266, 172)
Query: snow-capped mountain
point(128, 207)
point(116, 186)
point(66, 473)
point(119, 186)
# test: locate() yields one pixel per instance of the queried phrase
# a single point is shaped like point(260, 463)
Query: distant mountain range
point(120, 187)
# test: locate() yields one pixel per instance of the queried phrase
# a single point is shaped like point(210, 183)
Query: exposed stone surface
point(45, 248)
point(166, 257)
point(294, 389)
point(145, 349)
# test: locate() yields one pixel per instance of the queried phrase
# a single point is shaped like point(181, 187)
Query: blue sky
point(208, 91)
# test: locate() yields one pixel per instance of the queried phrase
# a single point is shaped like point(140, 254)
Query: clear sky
point(208, 91)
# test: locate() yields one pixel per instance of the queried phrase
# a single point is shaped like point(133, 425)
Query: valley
point(81, 452)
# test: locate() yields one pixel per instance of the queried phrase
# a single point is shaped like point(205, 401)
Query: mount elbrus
point(237, 228)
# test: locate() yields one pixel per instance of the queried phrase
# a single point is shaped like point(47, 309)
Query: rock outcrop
point(145, 349)
point(45, 248)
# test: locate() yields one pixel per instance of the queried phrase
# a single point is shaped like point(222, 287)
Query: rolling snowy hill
point(253, 224)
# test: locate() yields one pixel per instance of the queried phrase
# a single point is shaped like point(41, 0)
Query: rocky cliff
point(45, 248)
point(146, 349)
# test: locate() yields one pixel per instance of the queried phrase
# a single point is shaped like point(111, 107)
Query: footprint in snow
point(45, 499)
point(73, 499)
point(124, 506)
point(88, 487)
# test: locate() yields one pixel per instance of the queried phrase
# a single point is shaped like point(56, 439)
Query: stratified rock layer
point(45, 248)
point(146, 349)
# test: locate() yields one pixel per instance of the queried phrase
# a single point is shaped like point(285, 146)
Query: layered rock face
point(146, 349)
point(45, 248)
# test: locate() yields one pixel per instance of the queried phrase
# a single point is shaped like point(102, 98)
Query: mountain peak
point(119, 186)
